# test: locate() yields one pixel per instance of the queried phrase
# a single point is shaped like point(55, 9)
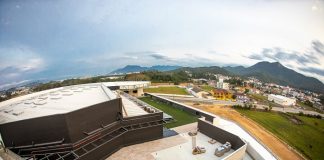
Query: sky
point(46, 39)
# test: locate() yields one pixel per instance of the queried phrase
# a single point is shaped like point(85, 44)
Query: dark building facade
point(93, 132)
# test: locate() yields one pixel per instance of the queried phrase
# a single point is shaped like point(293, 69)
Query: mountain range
point(264, 71)
point(136, 68)
point(279, 74)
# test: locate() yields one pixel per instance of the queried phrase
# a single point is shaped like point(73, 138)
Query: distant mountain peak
point(277, 73)
point(137, 68)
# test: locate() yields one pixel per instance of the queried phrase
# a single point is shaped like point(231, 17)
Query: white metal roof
point(53, 101)
point(60, 100)
point(280, 97)
point(131, 108)
point(128, 84)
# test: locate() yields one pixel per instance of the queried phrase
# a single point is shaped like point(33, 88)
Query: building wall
point(126, 139)
point(130, 137)
point(223, 136)
point(36, 130)
point(135, 92)
point(88, 119)
point(142, 135)
point(254, 153)
point(104, 150)
point(71, 126)
point(222, 85)
point(219, 135)
point(238, 154)
point(142, 118)
point(222, 95)
point(182, 107)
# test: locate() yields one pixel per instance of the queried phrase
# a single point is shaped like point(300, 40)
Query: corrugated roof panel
point(8, 110)
point(17, 112)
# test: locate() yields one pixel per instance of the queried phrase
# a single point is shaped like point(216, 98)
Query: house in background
point(222, 94)
point(241, 97)
point(221, 84)
point(200, 93)
point(282, 100)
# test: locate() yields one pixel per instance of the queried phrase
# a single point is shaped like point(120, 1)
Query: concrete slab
point(184, 151)
point(143, 151)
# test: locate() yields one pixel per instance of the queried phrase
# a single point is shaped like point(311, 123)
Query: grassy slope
point(299, 136)
point(259, 97)
point(264, 100)
point(181, 117)
point(167, 90)
point(301, 104)
point(207, 88)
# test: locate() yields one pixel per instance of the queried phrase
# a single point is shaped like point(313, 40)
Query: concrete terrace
point(179, 147)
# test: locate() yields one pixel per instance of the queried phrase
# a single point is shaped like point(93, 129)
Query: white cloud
point(18, 62)
point(22, 58)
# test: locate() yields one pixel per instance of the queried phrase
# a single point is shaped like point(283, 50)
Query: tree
point(250, 106)
point(245, 106)
point(308, 103)
point(322, 99)
point(246, 91)
point(270, 107)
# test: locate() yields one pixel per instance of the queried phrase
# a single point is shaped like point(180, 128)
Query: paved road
point(182, 98)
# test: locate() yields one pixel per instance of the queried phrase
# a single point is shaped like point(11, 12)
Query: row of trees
point(310, 115)
point(251, 107)
point(156, 76)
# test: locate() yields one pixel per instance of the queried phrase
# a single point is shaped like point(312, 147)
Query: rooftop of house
point(197, 89)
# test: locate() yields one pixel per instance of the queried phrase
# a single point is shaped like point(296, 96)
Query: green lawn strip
point(180, 116)
point(206, 88)
point(264, 100)
point(307, 138)
point(167, 90)
point(301, 104)
point(259, 97)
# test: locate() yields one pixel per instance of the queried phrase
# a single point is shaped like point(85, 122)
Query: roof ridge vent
point(41, 102)
point(17, 113)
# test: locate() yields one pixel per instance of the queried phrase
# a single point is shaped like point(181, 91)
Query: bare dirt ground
point(282, 150)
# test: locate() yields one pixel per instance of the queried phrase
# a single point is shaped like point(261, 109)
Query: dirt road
point(282, 150)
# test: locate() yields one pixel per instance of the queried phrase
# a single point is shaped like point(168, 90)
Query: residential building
point(241, 97)
point(221, 84)
point(222, 94)
point(282, 100)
